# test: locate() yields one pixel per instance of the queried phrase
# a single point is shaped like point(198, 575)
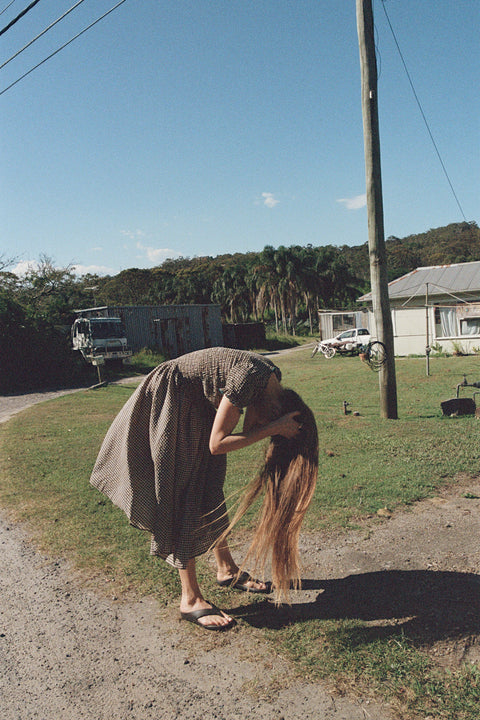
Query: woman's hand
point(224, 440)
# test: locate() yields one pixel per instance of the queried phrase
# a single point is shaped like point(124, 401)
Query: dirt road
point(72, 652)
point(10, 405)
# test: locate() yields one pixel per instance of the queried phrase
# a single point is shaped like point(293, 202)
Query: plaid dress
point(155, 462)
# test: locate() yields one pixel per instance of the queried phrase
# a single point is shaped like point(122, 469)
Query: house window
point(470, 326)
point(448, 321)
point(342, 321)
point(452, 324)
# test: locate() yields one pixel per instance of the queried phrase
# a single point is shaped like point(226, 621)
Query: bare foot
point(221, 620)
point(244, 580)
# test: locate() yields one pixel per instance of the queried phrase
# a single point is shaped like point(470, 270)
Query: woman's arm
point(252, 419)
point(223, 440)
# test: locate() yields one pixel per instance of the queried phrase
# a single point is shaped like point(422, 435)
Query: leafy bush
point(33, 353)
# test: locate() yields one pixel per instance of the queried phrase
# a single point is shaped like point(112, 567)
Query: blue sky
point(203, 127)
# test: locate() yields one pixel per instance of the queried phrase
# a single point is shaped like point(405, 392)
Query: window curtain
point(448, 322)
point(470, 326)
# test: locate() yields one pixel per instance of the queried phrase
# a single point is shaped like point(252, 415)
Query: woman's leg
point(192, 598)
point(227, 567)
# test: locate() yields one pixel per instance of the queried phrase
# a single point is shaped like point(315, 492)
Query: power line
point(62, 47)
point(19, 17)
point(423, 114)
point(6, 8)
point(42, 33)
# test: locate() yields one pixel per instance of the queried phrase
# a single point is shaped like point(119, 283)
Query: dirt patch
point(420, 569)
point(69, 652)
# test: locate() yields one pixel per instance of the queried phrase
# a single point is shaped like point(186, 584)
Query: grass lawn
point(366, 463)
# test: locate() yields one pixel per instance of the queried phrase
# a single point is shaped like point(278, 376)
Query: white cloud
point(153, 255)
point(269, 199)
point(354, 203)
point(92, 270)
point(25, 266)
point(157, 255)
point(133, 234)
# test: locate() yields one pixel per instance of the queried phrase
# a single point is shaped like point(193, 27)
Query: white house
point(436, 306)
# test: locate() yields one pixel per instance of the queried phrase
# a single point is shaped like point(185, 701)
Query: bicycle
point(374, 354)
point(327, 351)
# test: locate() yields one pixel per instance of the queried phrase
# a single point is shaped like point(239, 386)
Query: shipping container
point(171, 329)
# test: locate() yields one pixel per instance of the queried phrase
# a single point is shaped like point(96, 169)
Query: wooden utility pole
point(376, 238)
point(427, 332)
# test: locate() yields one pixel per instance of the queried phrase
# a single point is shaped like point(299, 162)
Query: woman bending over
point(163, 462)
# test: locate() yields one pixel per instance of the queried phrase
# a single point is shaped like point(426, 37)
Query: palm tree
point(287, 262)
point(231, 292)
point(266, 279)
point(310, 282)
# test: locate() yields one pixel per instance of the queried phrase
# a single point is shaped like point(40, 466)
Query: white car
point(349, 340)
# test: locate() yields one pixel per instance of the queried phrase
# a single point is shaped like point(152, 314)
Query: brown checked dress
point(155, 462)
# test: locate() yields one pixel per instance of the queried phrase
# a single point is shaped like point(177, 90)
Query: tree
point(230, 291)
point(310, 281)
point(266, 280)
point(33, 353)
point(48, 292)
point(9, 282)
point(129, 287)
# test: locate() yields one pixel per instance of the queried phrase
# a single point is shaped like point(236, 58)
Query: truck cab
point(100, 339)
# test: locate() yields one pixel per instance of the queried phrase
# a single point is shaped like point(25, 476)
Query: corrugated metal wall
point(173, 329)
point(331, 323)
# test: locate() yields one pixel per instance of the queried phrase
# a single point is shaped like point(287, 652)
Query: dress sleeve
point(247, 379)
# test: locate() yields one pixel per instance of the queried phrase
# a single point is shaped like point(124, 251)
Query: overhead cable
point(423, 114)
point(19, 17)
point(42, 33)
point(62, 47)
point(6, 8)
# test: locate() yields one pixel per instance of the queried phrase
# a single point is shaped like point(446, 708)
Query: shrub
point(33, 353)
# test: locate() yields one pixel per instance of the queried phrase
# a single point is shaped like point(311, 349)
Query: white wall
point(410, 333)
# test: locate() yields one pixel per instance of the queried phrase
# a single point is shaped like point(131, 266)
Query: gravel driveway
point(10, 405)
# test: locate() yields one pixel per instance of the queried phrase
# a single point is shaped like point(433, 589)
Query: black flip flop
point(195, 615)
point(240, 583)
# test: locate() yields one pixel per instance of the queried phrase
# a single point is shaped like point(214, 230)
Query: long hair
point(287, 480)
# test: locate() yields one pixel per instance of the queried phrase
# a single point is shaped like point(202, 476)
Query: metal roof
point(460, 279)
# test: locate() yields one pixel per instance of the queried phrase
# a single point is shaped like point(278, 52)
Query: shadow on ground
point(432, 606)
